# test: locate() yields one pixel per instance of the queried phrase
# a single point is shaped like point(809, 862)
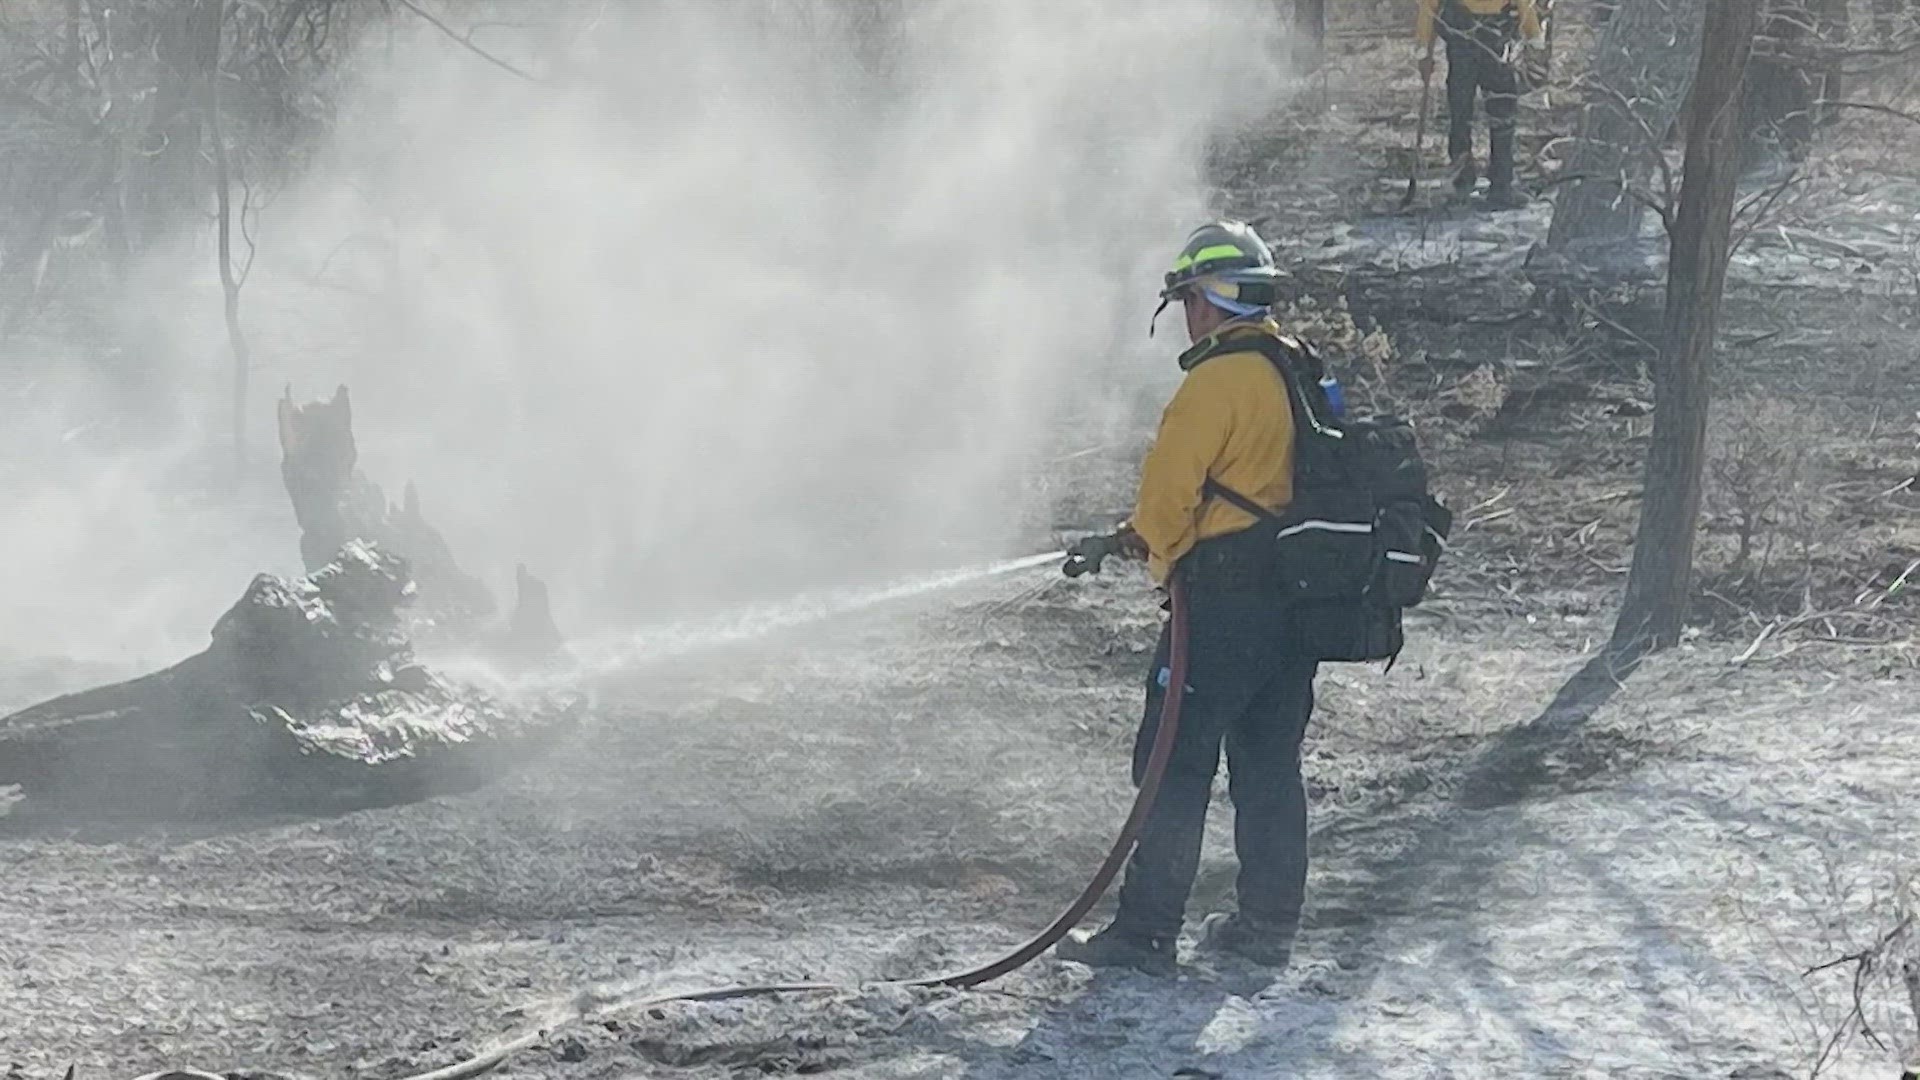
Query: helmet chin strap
point(1235, 308)
point(1165, 299)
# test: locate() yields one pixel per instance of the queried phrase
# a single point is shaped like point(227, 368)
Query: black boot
point(1466, 174)
point(1117, 947)
point(1263, 943)
point(1505, 197)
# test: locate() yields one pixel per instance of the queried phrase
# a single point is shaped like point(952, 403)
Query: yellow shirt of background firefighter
point(1524, 10)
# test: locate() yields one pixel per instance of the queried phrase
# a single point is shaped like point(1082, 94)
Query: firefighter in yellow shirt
point(1229, 424)
point(1481, 37)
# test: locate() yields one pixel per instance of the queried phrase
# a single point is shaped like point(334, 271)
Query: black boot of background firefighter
point(1481, 38)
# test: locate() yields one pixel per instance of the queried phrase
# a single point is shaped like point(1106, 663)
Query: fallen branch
point(1752, 650)
point(1910, 975)
point(1890, 591)
point(1869, 106)
point(1865, 963)
point(1863, 604)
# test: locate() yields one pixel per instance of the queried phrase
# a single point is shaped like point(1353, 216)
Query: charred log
point(308, 695)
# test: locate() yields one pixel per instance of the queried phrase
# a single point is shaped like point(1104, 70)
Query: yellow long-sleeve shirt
point(1228, 420)
point(1528, 14)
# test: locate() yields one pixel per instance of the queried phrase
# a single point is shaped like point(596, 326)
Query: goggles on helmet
point(1238, 293)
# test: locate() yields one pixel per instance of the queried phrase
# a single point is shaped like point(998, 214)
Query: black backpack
point(1359, 541)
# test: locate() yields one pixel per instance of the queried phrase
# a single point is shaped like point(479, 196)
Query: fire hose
point(1082, 559)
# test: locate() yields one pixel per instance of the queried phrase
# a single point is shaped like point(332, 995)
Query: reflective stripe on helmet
point(1218, 251)
point(1208, 254)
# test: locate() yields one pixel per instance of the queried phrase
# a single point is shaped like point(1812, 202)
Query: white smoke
point(751, 297)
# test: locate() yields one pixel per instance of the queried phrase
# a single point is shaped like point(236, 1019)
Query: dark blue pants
point(1244, 691)
point(1475, 67)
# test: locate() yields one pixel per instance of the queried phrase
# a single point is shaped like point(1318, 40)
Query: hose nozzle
point(1086, 556)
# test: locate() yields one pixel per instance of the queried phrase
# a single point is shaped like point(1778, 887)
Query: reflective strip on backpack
point(1404, 556)
point(1316, 525)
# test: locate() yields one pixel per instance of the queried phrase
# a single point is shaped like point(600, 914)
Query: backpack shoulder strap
point(1300, 369)
point(1287, 355)
point(1218, 490)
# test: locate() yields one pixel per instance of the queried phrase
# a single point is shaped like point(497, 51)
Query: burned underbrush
point(1537, 434)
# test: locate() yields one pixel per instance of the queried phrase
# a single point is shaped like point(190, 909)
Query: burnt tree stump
point(335, 504)
point(531, 633)
point(309, 694)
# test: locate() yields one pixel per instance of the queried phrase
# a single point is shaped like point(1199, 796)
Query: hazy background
point(753, 297)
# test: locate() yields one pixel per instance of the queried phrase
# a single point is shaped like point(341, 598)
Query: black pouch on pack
point(1408, 538)
point(1346, 631)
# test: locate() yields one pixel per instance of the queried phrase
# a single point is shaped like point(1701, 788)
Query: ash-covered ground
point(900, 789)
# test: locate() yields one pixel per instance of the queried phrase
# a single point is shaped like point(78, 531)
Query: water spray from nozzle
point(610, 654)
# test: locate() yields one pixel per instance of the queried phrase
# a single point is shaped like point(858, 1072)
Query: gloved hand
point(1087, 556)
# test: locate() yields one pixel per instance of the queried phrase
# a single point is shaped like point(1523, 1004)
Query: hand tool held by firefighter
point(1420, 125)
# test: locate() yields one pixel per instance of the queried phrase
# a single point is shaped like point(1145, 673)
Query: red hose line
point(1149, 788)
point(1136, 818)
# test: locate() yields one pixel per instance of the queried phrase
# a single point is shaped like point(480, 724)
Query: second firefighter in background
point(1483, 39)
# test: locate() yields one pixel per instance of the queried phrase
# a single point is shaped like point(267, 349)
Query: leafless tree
point(1699, 238)
point(1642, 66)
point(1659, 583)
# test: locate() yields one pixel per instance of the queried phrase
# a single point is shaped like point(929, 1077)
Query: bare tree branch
point(1870, 106)
point(1753, 211)
point(1865, 963)
point(249, 212)
point(466, 42)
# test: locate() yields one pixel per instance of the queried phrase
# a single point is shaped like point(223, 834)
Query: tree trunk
point(1640, 71)
point(1778, 106)
point(1660, 581)
point(1833, 24)
point(213, 14)
point(1309, 32)
point(168, 145)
